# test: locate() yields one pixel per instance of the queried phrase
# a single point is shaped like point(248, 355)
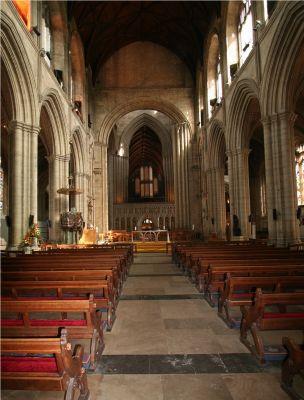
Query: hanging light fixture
point(70, 190)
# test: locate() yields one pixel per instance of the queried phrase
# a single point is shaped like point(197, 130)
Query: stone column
point(176, 176)
point(101, 187)
point(282, 135)
point(219, 206)
point(209, 204)
point(23, 158)
point(239, 191)
point(180, 139)
point(58, 203)
point(270, 186)
point(16, 179)
point(33, 157)
point(81, 200)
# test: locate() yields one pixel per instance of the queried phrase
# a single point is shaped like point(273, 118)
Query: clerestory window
point(245, 30)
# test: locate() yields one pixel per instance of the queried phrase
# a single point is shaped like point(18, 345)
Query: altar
point(151, 235)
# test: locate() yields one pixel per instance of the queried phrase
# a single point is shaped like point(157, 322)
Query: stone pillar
point(180, 141)
point(176, 176)
point(58, 203)
point(239, 191)
point(283, 152)
point(209, 204)
point(270, 186)
point(81, 200)
point(101, 187)
point(23, 158)
point(219, 206)
point(33, 157)
point(16, 177)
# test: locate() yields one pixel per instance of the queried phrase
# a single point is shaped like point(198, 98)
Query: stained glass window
point(146, 182)
point(245, 30)
point(300, 174)
point(219, 87)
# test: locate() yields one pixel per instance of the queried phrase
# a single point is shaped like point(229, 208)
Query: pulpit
point(72, 225)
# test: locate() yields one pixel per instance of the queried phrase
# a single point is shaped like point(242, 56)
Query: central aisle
point(168, 344)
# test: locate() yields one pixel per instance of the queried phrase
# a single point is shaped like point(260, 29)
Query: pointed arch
point(284, 68)
point(165, 107)
point(56, 138)
point(18, 69)
point(245, 91)
point(79, 147)
point(217, 144)
point(151, 122)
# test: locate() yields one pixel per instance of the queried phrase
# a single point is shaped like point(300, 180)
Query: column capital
point(238, 152)
point(266, 121)
point(283, 116)
point(100, 144)
point(58, 157)
point(22, 126)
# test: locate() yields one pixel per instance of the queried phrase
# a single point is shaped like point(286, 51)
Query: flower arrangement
point(33, 232)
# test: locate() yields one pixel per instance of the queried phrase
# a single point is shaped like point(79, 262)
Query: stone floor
point(167, 343)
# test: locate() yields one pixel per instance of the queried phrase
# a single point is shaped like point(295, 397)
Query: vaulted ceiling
point(145, 149)
point(106, 26)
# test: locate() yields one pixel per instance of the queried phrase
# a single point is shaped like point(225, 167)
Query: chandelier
point(70, 190)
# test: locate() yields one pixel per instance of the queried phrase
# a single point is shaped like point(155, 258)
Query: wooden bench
point(225, 266)
point(240, 291)
point(68, 265)
point(256, 318)
point(69, 275)
point(26, 324)
point(216, 275)
point(43, 364)
point(102, 290)
point(293, 365)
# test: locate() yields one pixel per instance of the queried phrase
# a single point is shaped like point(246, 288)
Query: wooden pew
point(102, 290)
point(293, 365)
point(255, 318)
point(54, 264)
point(240, 291)
point(89, 327)
point(228, 264)
point(62, 275)
point(216, 275)
point(52, 365)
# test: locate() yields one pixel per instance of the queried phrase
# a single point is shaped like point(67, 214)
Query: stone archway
point(237, 134)
point(22, 131)
point(53, 135)
point(282, 78)
point(180, 136)
point(216, 180)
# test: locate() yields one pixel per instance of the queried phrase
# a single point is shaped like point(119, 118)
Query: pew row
point(35, 318)
point(257, 318)
point(240, 291)
point(293, 365)
point(102, 290)
point(43, 364)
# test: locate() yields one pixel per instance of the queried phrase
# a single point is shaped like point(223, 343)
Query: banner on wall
point(24, 9)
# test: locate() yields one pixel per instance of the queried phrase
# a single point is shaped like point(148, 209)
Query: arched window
point(245, 30)
point(146, 181)
point(300, 174)
point(214, 75)
point(219, 85)
point(46, 34)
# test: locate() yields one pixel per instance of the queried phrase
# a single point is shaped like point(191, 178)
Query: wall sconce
point(212, 102)
point(35, 30)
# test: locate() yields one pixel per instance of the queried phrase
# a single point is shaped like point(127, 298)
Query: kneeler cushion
point(28, 364)
point(44, 322)
point(283, 315)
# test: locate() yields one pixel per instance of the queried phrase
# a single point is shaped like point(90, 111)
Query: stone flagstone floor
point(167, 343)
